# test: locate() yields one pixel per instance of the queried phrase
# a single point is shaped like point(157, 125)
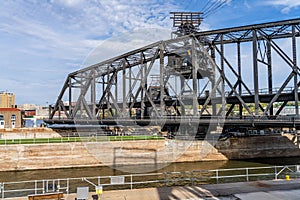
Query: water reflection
point(108, 171)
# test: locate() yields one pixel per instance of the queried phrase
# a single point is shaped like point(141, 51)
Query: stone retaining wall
point(24, 133)
point(66, 155)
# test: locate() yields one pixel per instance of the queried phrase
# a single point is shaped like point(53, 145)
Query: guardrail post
point(43, 186)
point(165, 178)
point(53, 185)
point(247, 172)
point(35, 187)
point(217, 176)
point(68, 185)
point(130, 181)
point(58, 185)
point(2, 191)
point(275, 170)
point(192, 178)
point(47, 185)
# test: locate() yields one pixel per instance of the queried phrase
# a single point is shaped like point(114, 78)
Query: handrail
point(25, 188)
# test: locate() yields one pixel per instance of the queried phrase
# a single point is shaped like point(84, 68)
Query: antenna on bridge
point(186, 22)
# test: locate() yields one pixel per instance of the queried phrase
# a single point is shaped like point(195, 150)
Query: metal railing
point(90, 138)
point(130, 181)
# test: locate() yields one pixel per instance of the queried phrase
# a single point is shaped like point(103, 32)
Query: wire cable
point(216, 7)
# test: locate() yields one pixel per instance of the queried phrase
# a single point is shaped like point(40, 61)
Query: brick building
point(7, 100)
point(10, 118)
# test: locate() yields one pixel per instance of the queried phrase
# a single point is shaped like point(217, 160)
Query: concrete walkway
point(259, 190)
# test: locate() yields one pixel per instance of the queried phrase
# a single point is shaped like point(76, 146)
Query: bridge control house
point(10, 118)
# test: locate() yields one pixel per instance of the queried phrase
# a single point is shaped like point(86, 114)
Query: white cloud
point(287, 4)
point(55, 36)
point(118, 45)
point(247, 5)
point(70, 3)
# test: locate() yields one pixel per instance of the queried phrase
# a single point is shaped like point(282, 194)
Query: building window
point(13, 117)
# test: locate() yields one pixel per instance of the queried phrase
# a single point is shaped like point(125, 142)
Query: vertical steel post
point(145, 84)
point(213, 56)
point(255, 72)
point(130, 90)
point(116, 89)
point(294, 49)
point(81, 92)
point(93, 95)
point(223, 77)
point(70, 96)
point(161, 81)
point(182, 87)
point(109, 108)
point(49, 111)
point(103, 88)
point(142, 92)
point(124, 88)
point(239, 63)
point(194, 75)
point(270, 75)
point(59, 111)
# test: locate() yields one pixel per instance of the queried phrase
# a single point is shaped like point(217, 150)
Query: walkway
point(259, 190)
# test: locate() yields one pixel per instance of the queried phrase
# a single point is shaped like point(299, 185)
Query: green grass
point(79, 139)
point(134, 137)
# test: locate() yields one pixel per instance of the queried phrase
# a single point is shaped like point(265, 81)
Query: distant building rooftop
point(9, 93)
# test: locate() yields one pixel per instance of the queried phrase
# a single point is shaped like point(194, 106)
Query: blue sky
point(44, 40)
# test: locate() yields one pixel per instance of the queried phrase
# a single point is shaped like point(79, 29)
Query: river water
point(108, 171)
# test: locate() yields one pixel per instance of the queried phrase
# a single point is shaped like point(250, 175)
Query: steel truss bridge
point(241, 76)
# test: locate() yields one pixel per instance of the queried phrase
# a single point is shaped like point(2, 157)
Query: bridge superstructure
point(245, 75)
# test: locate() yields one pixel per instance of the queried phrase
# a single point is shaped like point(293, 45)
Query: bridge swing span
point(197, 77)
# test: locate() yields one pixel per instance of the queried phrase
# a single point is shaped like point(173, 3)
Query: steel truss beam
point(193, 73)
